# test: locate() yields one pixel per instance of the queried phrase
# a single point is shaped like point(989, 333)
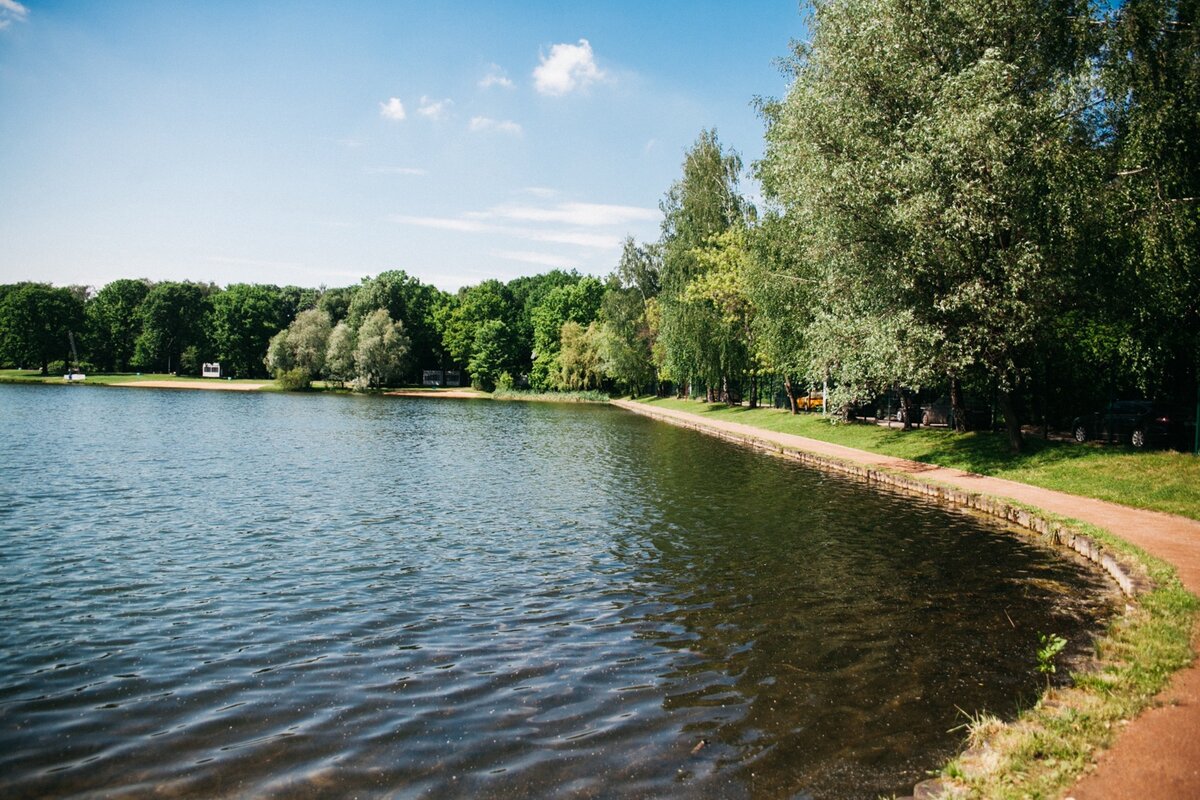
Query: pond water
point(210, 594)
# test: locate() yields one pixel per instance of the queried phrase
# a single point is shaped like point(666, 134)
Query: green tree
point(579, 362)
point(174, 316)
point(114, 324)
point(35, 324)
point(703, 204)
point(244, 317)
point(932, 153)
point(462, 318)
point(577, 302)
point(1148, 291)
point(380, 350)
point(491, 353)
point(339, 354)
point(301, 348)
point(783, 288)
point(410, 301)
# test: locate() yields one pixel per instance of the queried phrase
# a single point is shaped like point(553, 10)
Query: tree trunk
point(1011, 423)
point(961, 422)
point(754, 391)
point(907, 405)
point(791, 394)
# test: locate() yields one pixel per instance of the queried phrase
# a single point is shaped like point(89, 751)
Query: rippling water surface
point(225, 594)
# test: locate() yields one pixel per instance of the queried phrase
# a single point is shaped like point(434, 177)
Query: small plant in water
point(1051, 645)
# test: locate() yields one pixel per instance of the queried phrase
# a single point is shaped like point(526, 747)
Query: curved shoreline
point(1158, 753)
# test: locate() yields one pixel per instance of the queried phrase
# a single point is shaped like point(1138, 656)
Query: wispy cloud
point(531, 257)
point(540, 191)
point(486, 124)
point(567, 68)
point(588, 215)
point(392, 109)
point(495, 77)
point(595, 241)
point(434, 109)
point(396, 171)
point(11, 11)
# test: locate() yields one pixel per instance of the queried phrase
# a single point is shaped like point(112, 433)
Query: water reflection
point(229, 595)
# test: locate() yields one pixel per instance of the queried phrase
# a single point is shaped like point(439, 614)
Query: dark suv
point(1141, 423)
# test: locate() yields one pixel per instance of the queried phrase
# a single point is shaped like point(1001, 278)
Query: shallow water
point(226, 594)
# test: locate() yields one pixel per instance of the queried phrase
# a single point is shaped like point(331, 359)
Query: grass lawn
point(104, 379)
point(1160, 480)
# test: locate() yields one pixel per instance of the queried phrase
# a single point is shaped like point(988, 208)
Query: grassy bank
point(549, 397)
point(107, 379)
point(1156, 480)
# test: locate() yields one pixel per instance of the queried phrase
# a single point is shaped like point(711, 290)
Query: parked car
point(813, 401)
point(938, 413)
point(1141, 423)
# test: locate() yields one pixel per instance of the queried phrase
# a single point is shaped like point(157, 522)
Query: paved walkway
point(1158, 754)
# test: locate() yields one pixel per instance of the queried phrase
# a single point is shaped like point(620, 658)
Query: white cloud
point(495, 77)
point(650, 145)
point(392, 109)
point(595, 241)
point(579, 214)
point(567, 68)
point(11, 11)
point(482, 124)
point(540, 191)
point(434, 109)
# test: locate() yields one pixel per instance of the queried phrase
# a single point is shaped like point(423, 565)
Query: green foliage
point(698, 211)
point(293, 380)
point(577, 302)
point(379, 351)
point(462, 319)
point(931, 155)
point(339, 354)
point(579, 357)
point(411, 302)
point(35, 321)
point(302, 346)
point(491, 353)
point(244, 317)
point(114, 323)
point(1049, 646)
point(174, 317)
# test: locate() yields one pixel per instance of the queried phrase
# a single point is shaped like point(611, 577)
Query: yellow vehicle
point(813, 401)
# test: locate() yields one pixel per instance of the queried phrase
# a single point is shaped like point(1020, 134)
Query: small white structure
point(452, 378)
point(211, 370)
point(431, 377)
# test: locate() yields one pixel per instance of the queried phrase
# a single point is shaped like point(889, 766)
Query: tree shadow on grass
point(988, 453)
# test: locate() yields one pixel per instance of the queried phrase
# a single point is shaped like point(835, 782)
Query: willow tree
point(703, 204)
point(931, 151)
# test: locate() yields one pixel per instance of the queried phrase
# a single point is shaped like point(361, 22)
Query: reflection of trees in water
point(826, 634)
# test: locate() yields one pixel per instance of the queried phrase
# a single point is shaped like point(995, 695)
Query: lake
point(209, 594)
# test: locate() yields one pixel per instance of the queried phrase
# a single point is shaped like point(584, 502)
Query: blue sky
point(319, 143)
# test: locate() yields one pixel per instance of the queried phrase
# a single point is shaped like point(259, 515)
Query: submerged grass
point(1157, 480)
point(1047, 747)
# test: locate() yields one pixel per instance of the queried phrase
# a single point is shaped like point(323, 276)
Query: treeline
point(998, 202)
